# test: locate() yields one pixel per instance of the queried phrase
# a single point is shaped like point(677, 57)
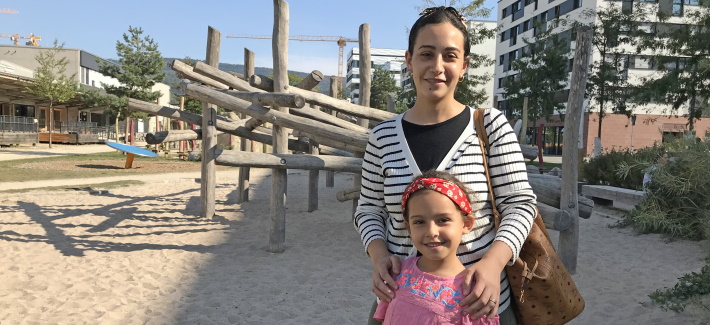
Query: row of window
point(540, 20)
point(676, 10)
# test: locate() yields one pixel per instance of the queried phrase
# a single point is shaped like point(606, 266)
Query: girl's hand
point(483, 299)
point(383, 285)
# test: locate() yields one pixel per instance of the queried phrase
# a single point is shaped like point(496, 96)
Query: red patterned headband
point(448, 188)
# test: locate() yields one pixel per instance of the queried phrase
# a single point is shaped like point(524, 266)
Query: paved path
point(42, 150)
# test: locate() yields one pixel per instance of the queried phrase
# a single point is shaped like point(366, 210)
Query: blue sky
point(180, 27)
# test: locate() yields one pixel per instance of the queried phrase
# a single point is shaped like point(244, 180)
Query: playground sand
point(142, 255)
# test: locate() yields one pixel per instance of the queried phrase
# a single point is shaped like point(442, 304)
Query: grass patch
point(11, 170)
point(545, 165)
point(87, 187)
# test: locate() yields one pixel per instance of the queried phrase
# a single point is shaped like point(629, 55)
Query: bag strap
point(485, 150)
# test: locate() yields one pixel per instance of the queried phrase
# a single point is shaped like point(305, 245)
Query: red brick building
point(617, 131)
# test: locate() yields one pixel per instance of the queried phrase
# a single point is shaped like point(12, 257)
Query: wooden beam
point(174, 135)
point(569, 239)
point(547, 188)
point(316, 115)
point(209, 133)
point(245, 144)
point(311, 80)
point(269, 99)
point(332, 136)
point(288, 161)
point(185, 71)
point(279, 45)
point(223, 124)
point(261, 82)
point(339, 105)
point(225, 78)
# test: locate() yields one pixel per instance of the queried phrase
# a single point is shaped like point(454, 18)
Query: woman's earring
point(461, 79)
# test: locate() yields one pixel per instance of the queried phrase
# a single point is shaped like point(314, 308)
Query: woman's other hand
point(383, 284)
point(483, 298)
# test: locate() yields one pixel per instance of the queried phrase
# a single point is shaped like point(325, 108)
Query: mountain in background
point(172, 80)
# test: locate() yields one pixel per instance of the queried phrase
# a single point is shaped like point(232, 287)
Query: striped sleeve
point(515, 199)
point(371, 211)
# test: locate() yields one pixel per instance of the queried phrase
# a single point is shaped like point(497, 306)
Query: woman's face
point(437, 61)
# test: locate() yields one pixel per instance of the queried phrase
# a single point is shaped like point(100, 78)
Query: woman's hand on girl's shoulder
point(383, 284)
point(483, 298)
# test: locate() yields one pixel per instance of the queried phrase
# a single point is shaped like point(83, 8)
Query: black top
point(429, 144)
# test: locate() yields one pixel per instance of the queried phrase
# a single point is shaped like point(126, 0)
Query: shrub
point(603, 170)
point(689, 288)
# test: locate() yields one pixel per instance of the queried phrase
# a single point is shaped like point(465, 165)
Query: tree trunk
point(691, 111)
point(51, 123)
point(601, 117)
point(116, 125)
point(127, 129)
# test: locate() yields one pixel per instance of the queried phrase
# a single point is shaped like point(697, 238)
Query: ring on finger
point(493, 301)
point(385, 282)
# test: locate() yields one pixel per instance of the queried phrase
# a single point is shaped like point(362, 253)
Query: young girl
point(437, 213)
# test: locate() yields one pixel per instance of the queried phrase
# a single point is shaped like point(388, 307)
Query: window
point(677, 10)
point(505, 12)
point(692, 2)
point(517, 6)
point(526, 25)
point(577, 4)
point(86, 78)
point(83, 77)
point(500, 59)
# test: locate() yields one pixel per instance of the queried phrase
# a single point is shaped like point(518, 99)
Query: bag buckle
point(527, 276)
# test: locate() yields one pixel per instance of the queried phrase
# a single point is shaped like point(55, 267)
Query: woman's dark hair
point(438, 15)
point(447, 177)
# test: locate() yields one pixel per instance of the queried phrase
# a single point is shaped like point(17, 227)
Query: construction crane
point(340, 40)
point(8, 11)
point(16, 38)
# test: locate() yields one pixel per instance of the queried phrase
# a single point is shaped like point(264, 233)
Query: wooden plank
point(313, 182)
point(364, 97)
point(569, 238)
point(10, 138)
point(209, 133)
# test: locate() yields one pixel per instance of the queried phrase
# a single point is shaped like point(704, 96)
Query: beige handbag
point(543, 289)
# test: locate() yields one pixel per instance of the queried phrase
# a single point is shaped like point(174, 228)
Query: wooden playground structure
point(324, 136)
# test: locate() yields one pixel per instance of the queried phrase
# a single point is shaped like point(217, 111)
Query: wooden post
point(245, 144)
point(313, 181)
point(209, 133)
point(333, 92)
point(278, 187)
point(391, 102)
point(569, 239)
point(311, 80)
point(524, 127)
point(181, 124)
point(365, 81)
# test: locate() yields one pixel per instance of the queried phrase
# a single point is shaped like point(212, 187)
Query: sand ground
point(143, 255)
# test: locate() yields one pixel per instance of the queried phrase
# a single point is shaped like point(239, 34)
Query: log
point(547, 188)
point(554, 218)
point(185, 71)
point(364, 98)
point(261, 82)
point(349, 194)
point(332, 92)
point(331, 103)
point(328, 135)
point(325, 150)
point(245, 144)
point(279, 46)
point(253, 123)
point(174, 135)
point(288, 161)
point(313, 181)
point(208, 182)
point(311, 80)
point(225, 78)
point(317, 115)
point(569, 239)
point(322, 139)
point(223, 124)
point(269, 99)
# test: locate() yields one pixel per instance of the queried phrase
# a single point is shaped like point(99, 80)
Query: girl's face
point(435, 225)
point(437, 61)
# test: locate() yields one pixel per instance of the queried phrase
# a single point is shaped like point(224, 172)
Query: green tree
point(466, 92)
point(140, 68)
point(52, 82)
point(680, 54)
point(383, 84)
point(614, 29)
point(542, 73)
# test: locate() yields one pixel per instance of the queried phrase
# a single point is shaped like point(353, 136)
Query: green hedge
point(605, 169)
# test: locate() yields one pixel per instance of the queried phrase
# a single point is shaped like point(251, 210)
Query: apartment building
point(388, 59)
point(516, 20)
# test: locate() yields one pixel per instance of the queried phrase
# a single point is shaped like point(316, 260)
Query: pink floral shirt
point(423, 298)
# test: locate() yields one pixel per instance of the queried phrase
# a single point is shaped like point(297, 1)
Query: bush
point(678, 197)
point(689, 288)
point(603, 170)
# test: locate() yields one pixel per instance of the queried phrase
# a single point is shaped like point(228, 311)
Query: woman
point(438, 133)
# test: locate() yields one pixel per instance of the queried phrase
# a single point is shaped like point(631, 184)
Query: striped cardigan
point(389, 167)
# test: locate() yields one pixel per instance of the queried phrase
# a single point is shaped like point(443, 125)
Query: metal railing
point(17, 124)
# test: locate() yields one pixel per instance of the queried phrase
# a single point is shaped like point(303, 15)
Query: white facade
point(488, 48)
point(515, 20)
point(389, 59)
